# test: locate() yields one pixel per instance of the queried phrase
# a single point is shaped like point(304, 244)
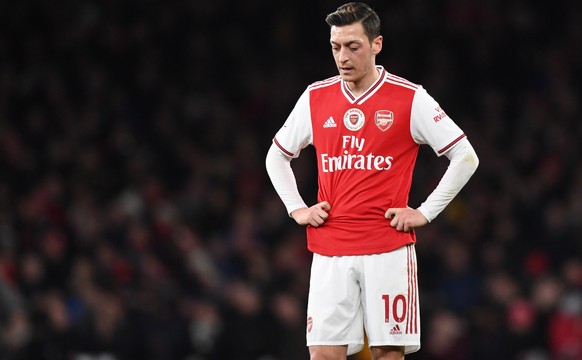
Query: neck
point(360, 86)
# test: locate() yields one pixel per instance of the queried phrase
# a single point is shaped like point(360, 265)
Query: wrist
point(294, 212)
point(424, 213)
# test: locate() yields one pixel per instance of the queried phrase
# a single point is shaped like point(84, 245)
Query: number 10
point(398, 308)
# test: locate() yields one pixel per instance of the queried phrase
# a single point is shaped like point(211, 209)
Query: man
point(366, 125)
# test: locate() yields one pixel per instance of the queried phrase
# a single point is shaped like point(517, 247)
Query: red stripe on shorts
point(411, 321)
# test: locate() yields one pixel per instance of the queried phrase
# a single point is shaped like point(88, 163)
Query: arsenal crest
point(384, 119)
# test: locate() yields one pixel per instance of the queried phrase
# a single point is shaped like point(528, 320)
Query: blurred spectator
point(450, 339)
point(565, 328)
point(137, 222)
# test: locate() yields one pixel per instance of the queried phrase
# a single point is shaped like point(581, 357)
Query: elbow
point(270, 160)
point(472, 161)
point(275, 159)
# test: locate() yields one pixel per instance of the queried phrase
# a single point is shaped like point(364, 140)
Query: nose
point(343, 55)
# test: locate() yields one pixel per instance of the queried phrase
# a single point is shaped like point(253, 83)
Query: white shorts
point(376, 292)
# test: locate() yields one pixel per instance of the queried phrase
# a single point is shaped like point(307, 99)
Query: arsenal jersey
point(366, 149)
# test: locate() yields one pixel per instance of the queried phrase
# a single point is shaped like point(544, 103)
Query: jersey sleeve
point(296, 133)
point(431, 125)
point(464, 162)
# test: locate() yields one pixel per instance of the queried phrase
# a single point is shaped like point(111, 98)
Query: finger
point(325, 205)
point(390, 213)
point(399, 226)
point(313, 222)
point(319, 220)
point(409, 228)
point(407, 225)
point(395, 221)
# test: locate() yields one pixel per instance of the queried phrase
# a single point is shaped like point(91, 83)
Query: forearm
point(279, 170)
point(463, 163)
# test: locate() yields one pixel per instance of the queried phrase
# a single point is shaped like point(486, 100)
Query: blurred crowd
point(137, 220)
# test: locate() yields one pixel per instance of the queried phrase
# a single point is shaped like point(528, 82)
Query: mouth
point(346, 69)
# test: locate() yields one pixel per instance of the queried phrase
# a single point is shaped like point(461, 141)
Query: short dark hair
point(354, 12)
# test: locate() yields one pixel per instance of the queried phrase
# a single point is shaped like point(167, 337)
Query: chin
point(346, 77)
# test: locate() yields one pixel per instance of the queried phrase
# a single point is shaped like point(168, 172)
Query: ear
point(377, 45)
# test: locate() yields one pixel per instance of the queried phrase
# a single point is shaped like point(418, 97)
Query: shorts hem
point(409, 347)
point(353, 346)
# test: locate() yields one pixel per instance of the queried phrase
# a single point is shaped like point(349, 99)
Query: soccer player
point(366, 125)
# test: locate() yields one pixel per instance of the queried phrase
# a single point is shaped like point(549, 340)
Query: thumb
point(325, 205)
point(390, 213)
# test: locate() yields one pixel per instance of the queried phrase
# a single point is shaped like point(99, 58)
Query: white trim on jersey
point(324, 83)
point(397, 80)
point(353, 99)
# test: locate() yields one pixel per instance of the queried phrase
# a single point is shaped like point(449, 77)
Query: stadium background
point(137, 221)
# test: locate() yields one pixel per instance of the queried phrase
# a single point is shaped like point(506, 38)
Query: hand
point(314, 216)
point(405, 219)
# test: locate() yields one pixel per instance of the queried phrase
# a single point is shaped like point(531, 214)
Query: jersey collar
point(371, 90)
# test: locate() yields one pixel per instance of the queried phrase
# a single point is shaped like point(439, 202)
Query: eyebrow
point(357, 42)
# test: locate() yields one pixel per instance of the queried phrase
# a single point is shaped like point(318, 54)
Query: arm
point(279, 169)
point(463, 163)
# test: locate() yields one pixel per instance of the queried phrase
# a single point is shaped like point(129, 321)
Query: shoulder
point(325, 83)
point(400, 82)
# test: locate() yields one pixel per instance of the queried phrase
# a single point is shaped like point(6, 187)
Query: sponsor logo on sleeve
point(440, 114)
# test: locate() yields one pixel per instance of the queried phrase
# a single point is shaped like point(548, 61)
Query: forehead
point(348, 33)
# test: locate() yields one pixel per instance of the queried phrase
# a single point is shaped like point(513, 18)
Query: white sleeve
point(430, 125)
point(295, 135)
point(463, 163)
point(279, 169)
point(296, 132)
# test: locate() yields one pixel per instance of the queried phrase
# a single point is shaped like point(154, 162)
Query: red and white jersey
point(366, 150)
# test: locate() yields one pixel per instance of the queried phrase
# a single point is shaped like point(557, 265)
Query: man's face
point(354, 56)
